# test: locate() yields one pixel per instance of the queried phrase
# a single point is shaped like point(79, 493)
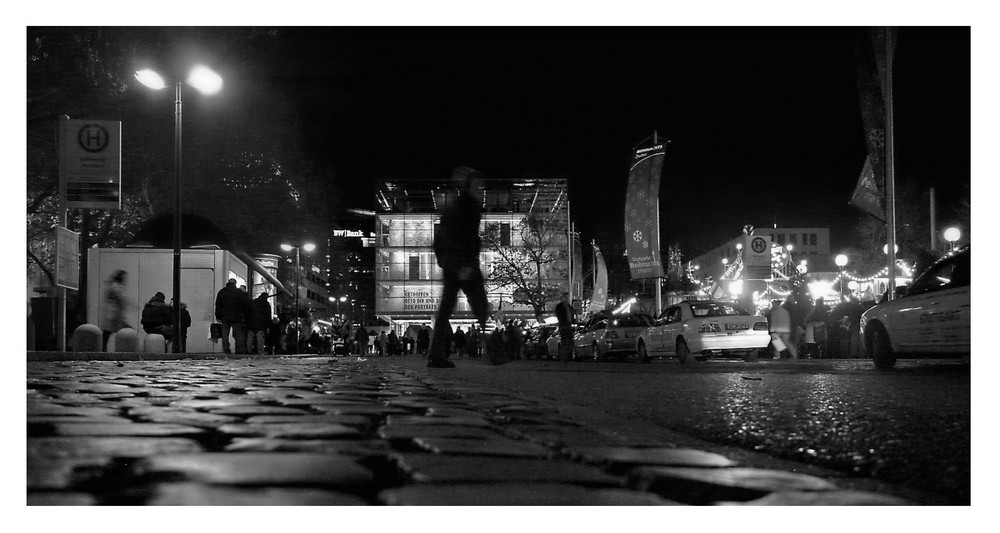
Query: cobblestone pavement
point(339, 431)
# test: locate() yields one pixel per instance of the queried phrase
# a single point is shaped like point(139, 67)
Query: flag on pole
point(870, 57)
point(642, 225)
point(599, 298)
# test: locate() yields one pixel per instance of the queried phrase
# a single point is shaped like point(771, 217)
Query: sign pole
point(656, 220)
point(64, 222)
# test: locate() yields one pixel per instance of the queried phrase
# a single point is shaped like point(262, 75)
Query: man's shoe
point(439, 363)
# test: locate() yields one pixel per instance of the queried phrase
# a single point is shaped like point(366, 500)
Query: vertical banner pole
point(890, 180)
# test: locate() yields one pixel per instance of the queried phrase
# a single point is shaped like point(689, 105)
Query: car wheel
point(682, 351)
point(880, 347)
point(750, 356)
point(641, 352)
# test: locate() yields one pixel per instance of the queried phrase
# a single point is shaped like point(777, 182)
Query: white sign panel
point(90, 170)
point(757, 257)
point(67, 258)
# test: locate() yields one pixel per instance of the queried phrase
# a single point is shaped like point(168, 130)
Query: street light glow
point(150, 79)
point(952, 234)
point(287, 247)
point(205, 80)
point(841, 260)
point(308, 246)
point(885, 248)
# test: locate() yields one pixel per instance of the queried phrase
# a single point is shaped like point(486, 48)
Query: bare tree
point(533, 269)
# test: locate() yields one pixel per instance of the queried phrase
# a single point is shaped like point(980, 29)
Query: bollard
point(154, 343)
point(125, 340)
point(87, 338)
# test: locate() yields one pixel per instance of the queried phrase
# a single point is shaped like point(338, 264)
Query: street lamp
point(952, 235)
point(298, 273)
point(207, 82)
point(841, 261)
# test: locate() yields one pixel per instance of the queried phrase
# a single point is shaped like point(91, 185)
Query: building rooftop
point(500, 195)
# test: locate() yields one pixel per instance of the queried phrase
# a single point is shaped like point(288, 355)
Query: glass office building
point(407, 278)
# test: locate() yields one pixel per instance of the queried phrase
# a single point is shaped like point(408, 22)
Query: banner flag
point(599, 298)
point(870, 57)
point(868, 195)
point(642, 225)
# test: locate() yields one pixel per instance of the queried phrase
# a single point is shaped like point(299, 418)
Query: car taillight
point(760, 326)
point(709, 328)
point(611, 335)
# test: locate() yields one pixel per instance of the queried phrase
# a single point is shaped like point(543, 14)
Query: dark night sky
point(763, 122)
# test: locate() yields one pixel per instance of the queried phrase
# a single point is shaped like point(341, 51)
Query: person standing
point(472, 341)
point(853, 314)
point(780, 325)
point(423, 340)
point(182, 334)
point(260, 321)
point(273, 337)
point(229, 310)
point(114, 302)
point(565, 315)
point(816, 329)
point(456, 247)
point(361, 338)
point(393, 342)
point(459, 341)
point(382, 341)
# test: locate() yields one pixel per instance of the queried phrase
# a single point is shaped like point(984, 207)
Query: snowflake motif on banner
point(600, 292)
point(876, 137)
point(628, 225)
point(637, 236)
point(645, 244)
point(651, 203)
point(641, 194)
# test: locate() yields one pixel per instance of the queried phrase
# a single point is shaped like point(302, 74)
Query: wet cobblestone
point(337, 431)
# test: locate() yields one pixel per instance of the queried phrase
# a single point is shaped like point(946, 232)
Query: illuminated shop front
point(408, 281)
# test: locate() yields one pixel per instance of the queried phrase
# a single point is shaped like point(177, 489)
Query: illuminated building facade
point(408, 281)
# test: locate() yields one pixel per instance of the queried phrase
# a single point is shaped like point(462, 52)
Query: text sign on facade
point(91, 153)
point(67, 258)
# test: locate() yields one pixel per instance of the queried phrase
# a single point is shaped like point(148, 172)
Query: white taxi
point(704, 327)
point(933, 316)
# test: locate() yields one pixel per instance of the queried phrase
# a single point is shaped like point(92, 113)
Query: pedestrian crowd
point(804, 329)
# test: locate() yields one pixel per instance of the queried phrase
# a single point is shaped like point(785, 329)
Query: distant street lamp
point(952, 235)
point(885, 249)
point(207, 82)
point(298, 272)
point(841, 261)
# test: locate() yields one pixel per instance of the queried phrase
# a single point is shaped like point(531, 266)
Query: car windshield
point(633, 321)
point(702, 309)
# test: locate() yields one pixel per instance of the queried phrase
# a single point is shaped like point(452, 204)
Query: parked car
point(932, 316)
point(607, 334)
point(535, 342)
point(704, 327)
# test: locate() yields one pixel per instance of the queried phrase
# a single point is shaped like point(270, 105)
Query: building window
point(504, 234)
point(414, 268)
point(793, 239)
point(781, 239)
point(805, 238)
point(812, 239)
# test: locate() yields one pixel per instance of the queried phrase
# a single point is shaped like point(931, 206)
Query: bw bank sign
point(90, 163)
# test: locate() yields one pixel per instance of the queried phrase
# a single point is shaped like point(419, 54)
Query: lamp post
point(841, 261)
point(207, 82)
point(298, 273)
point(952, 235)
